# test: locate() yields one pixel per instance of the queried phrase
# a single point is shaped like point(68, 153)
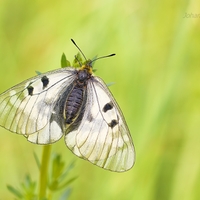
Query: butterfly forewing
point(102, 137)
point(27, 107)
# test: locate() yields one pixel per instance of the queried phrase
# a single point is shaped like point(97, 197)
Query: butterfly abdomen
point(73, 103)
point(75, 98)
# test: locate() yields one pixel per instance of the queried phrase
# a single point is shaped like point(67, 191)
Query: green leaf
point(61, 186)
point(59, 173)
point(58, 166)
point(16, 192)
point(77, 62)
point(56, 172)
point(66, 172)
point(29, 187)
point(64, 61)
point(110, 84)
point(38, 73)
point(28, 184)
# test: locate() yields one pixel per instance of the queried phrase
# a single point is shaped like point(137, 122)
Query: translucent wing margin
point(102, 137)
point(27, 108)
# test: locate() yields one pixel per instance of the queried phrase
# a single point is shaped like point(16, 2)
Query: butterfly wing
point(29, 107)
point(102, 136)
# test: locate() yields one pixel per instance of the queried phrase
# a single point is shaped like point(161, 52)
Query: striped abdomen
point(73, 103)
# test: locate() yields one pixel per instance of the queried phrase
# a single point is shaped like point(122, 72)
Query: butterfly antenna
point(113, 54)
point(78, 48)
point(78, 61)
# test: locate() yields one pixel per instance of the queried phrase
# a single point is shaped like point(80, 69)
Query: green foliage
point(77, 62)
point(38, 73)
point(64, 61)
point(59, 174)
point(27, 191)
point(58, 179)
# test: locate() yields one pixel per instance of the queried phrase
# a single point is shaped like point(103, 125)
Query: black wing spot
point(30, 90)
point(107, 107)
point(45, 81)
point(113, 123)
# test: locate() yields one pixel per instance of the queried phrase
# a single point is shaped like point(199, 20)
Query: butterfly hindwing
point(102, 137)
point(28, 108)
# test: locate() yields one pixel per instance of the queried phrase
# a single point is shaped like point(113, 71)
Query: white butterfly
point(73, 103)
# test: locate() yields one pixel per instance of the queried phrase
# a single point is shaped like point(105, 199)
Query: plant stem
point(44, 171)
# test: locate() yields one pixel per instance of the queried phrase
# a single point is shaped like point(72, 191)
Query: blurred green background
point(156, 73)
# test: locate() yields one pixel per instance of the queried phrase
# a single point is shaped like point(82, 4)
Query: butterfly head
point(87, 65)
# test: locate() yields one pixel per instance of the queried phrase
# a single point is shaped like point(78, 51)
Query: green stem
point(44, 171)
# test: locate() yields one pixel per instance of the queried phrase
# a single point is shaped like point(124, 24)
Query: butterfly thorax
point(74, 101)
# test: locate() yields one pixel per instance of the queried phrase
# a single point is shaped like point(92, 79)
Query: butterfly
point(73, 103)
